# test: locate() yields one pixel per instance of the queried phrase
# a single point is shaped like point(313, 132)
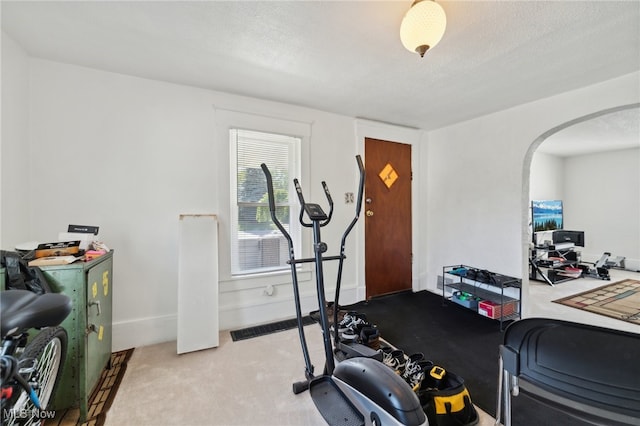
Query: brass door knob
point(369, 213)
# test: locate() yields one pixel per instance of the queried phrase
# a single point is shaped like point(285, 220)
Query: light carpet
point(248, 382)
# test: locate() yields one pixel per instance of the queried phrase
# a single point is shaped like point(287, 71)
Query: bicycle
point(31, 369)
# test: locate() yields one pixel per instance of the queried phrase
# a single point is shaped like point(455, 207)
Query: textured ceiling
point(344, 57)
point(609, 132)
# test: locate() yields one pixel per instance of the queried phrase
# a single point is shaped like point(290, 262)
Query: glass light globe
point(423, 26)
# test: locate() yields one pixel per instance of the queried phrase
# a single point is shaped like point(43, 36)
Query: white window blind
point(256, 243)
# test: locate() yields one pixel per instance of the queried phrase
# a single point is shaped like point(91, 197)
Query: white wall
point(478, 179)
point(14, 146)
point(474, 186)
point(547, 177)
point(130, 155)
point(602, 198)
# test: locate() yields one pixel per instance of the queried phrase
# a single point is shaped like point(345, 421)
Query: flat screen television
point(546, 215)
point(566, 236)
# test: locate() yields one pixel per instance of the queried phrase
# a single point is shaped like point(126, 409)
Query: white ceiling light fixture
point(423, 26)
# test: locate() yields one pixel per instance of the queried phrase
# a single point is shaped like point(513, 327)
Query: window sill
point(248, 282)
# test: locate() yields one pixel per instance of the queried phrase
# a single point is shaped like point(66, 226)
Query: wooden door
point(387, 215)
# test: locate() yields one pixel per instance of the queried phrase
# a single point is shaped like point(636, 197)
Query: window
point(256, 244)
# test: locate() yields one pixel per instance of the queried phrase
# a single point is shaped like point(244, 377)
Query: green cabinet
point(90, 286)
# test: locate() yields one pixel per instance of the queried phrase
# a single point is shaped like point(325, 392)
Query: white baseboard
point(150, 331)
point(236, 317)
point(144, 332)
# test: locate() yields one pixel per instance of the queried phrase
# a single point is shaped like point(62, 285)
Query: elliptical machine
point(359, 390)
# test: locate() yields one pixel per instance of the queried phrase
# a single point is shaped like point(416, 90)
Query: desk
point(547, 264)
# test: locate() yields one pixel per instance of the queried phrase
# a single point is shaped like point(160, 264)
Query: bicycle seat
point(23, 309)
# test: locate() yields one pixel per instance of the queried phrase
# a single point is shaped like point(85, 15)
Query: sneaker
point(419, 371)
point(386, 351)
point(411, 366)
point(415, 379)
point(353, 322)
point(370, 336)
point(349, 336)
point(394, 360)
point(346, 320)
point(350, 318)
point(355, 326)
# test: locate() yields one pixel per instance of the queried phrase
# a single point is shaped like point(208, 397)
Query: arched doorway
point(532, 305)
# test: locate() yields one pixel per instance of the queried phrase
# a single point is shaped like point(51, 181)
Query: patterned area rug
point(619, 300)
point(102, 396)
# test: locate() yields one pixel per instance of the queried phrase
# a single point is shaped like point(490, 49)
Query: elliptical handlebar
point(360, 185)
point(298, 187)
point(299, 386)
point(343, 242)
point(328, 194)
point(272, 202)
point(267, 175)
point(296, 183)
point(303, 203)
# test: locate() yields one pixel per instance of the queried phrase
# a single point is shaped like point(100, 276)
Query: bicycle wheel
point(41, 364)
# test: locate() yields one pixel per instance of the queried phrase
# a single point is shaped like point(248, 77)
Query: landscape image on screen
point(546, 215)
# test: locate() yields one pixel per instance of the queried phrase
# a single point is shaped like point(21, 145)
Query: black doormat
point(274, 327)
point(457, 339)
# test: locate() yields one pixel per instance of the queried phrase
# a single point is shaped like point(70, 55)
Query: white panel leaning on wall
point(198, 321)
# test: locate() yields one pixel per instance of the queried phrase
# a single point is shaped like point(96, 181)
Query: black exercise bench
point(589, 372)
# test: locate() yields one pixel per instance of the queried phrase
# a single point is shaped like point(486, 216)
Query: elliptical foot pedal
point(334, 406)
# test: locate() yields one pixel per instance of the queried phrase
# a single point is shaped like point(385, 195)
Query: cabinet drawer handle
point(97, 303)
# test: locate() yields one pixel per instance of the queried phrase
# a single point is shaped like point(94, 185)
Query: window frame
point(294, 147)
point(224, 118)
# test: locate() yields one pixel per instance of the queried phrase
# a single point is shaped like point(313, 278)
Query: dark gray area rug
point(458, 340)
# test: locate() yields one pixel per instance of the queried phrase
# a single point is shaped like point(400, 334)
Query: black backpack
point(21, 276)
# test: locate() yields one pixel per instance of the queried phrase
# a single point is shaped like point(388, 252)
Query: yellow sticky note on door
point(388, 175)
